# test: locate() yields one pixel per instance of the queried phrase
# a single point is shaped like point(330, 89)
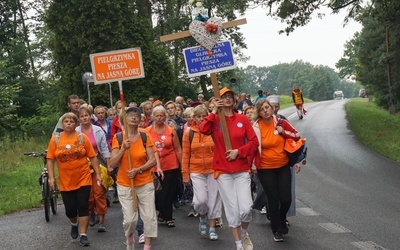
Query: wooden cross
point(213, 76)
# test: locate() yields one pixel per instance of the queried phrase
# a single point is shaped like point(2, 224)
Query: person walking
point(137, 172)
point(70, 151)
point(97, 137)
point(231, 167)
point(115, 128)
point(197, 155)
point(297, 96)
point(273, 168)
point(169, 152)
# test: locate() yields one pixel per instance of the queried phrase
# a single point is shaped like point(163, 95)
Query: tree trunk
point(391, 107)
point(26, 39)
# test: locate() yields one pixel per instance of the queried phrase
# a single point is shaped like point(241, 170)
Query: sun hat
point(273, 99)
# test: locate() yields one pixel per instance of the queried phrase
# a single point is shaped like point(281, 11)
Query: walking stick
point(126, 128)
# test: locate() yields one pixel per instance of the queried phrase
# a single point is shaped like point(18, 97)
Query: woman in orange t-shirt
point(273, 169)
point(70, 150)
point(136, 172)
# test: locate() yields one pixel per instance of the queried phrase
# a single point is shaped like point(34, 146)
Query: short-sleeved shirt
point(71, 155)
point(138, 157)
point(273, 154)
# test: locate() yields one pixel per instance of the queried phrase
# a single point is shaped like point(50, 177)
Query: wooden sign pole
point(213, 76)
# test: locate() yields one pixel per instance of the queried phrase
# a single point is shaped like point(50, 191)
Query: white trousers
point(145, 199)
point(206, 197)
point(235, 192)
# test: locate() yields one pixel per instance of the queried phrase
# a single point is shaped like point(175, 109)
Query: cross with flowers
point(206, 32)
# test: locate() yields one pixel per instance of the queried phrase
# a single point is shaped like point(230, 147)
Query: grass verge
point(19, 175)
point(375, 127)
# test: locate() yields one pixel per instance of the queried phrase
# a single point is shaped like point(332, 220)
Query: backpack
point(142, 134)
point(191, 135)
point(79, 136)
point(296, 151)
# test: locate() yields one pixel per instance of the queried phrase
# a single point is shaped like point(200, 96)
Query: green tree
point(100, 26)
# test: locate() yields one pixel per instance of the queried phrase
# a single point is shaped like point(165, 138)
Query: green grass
point(19, 175)
point(374, 127)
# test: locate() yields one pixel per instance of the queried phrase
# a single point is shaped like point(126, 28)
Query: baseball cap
point(135, 109)
point(225, 90)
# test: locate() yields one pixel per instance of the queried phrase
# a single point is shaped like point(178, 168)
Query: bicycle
point(49, 195)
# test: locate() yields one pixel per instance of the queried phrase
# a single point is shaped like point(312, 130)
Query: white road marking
point(334, 228)
point(306, 211)
point(367, 245)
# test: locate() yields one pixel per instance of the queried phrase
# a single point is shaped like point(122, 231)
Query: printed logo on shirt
point(239, 125)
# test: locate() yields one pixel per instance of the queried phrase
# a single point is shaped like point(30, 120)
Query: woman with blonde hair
point(70, 151)
point(273, 168)
point(198, 150)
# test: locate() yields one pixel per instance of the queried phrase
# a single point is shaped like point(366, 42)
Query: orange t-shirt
point(71, 157)
point(165, 148)
point(138, 157)
point(273, 154)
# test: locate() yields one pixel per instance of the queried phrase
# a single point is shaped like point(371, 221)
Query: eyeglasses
point(227, 96)
point(133, 116)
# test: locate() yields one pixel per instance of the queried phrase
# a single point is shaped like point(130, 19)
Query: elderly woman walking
point(169, 152)
point(198, 150)
point(141, 161)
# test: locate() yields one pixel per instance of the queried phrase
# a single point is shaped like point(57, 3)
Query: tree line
point(45, 47)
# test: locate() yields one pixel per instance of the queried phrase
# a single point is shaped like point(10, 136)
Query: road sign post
point(115, 66)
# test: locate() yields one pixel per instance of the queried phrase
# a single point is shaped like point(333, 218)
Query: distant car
point(362, 93)
point(338, 95)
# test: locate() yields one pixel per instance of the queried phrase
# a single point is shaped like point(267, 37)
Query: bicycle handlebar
point(36, 154)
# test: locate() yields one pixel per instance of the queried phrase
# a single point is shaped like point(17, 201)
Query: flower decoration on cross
point(205, 30)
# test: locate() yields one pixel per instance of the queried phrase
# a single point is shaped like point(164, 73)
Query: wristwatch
point(140, 171)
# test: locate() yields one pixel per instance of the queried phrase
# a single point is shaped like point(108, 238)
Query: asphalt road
point(347, 197)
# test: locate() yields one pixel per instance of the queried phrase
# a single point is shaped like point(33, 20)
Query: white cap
point(274, 99)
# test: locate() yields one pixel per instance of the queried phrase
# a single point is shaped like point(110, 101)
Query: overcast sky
point(321, 42)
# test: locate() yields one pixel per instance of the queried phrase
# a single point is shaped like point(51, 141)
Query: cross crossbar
point(213, 76)
point(186, 33)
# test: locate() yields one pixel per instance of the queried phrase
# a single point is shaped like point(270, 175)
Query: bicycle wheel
point(53, 201)
point(46, 198)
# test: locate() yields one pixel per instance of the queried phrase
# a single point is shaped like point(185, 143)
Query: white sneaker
point(213, 235)
point(247, 244)
point(263, 210)
point(202, 228)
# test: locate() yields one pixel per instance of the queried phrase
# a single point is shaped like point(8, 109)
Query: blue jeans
point(139, 226)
